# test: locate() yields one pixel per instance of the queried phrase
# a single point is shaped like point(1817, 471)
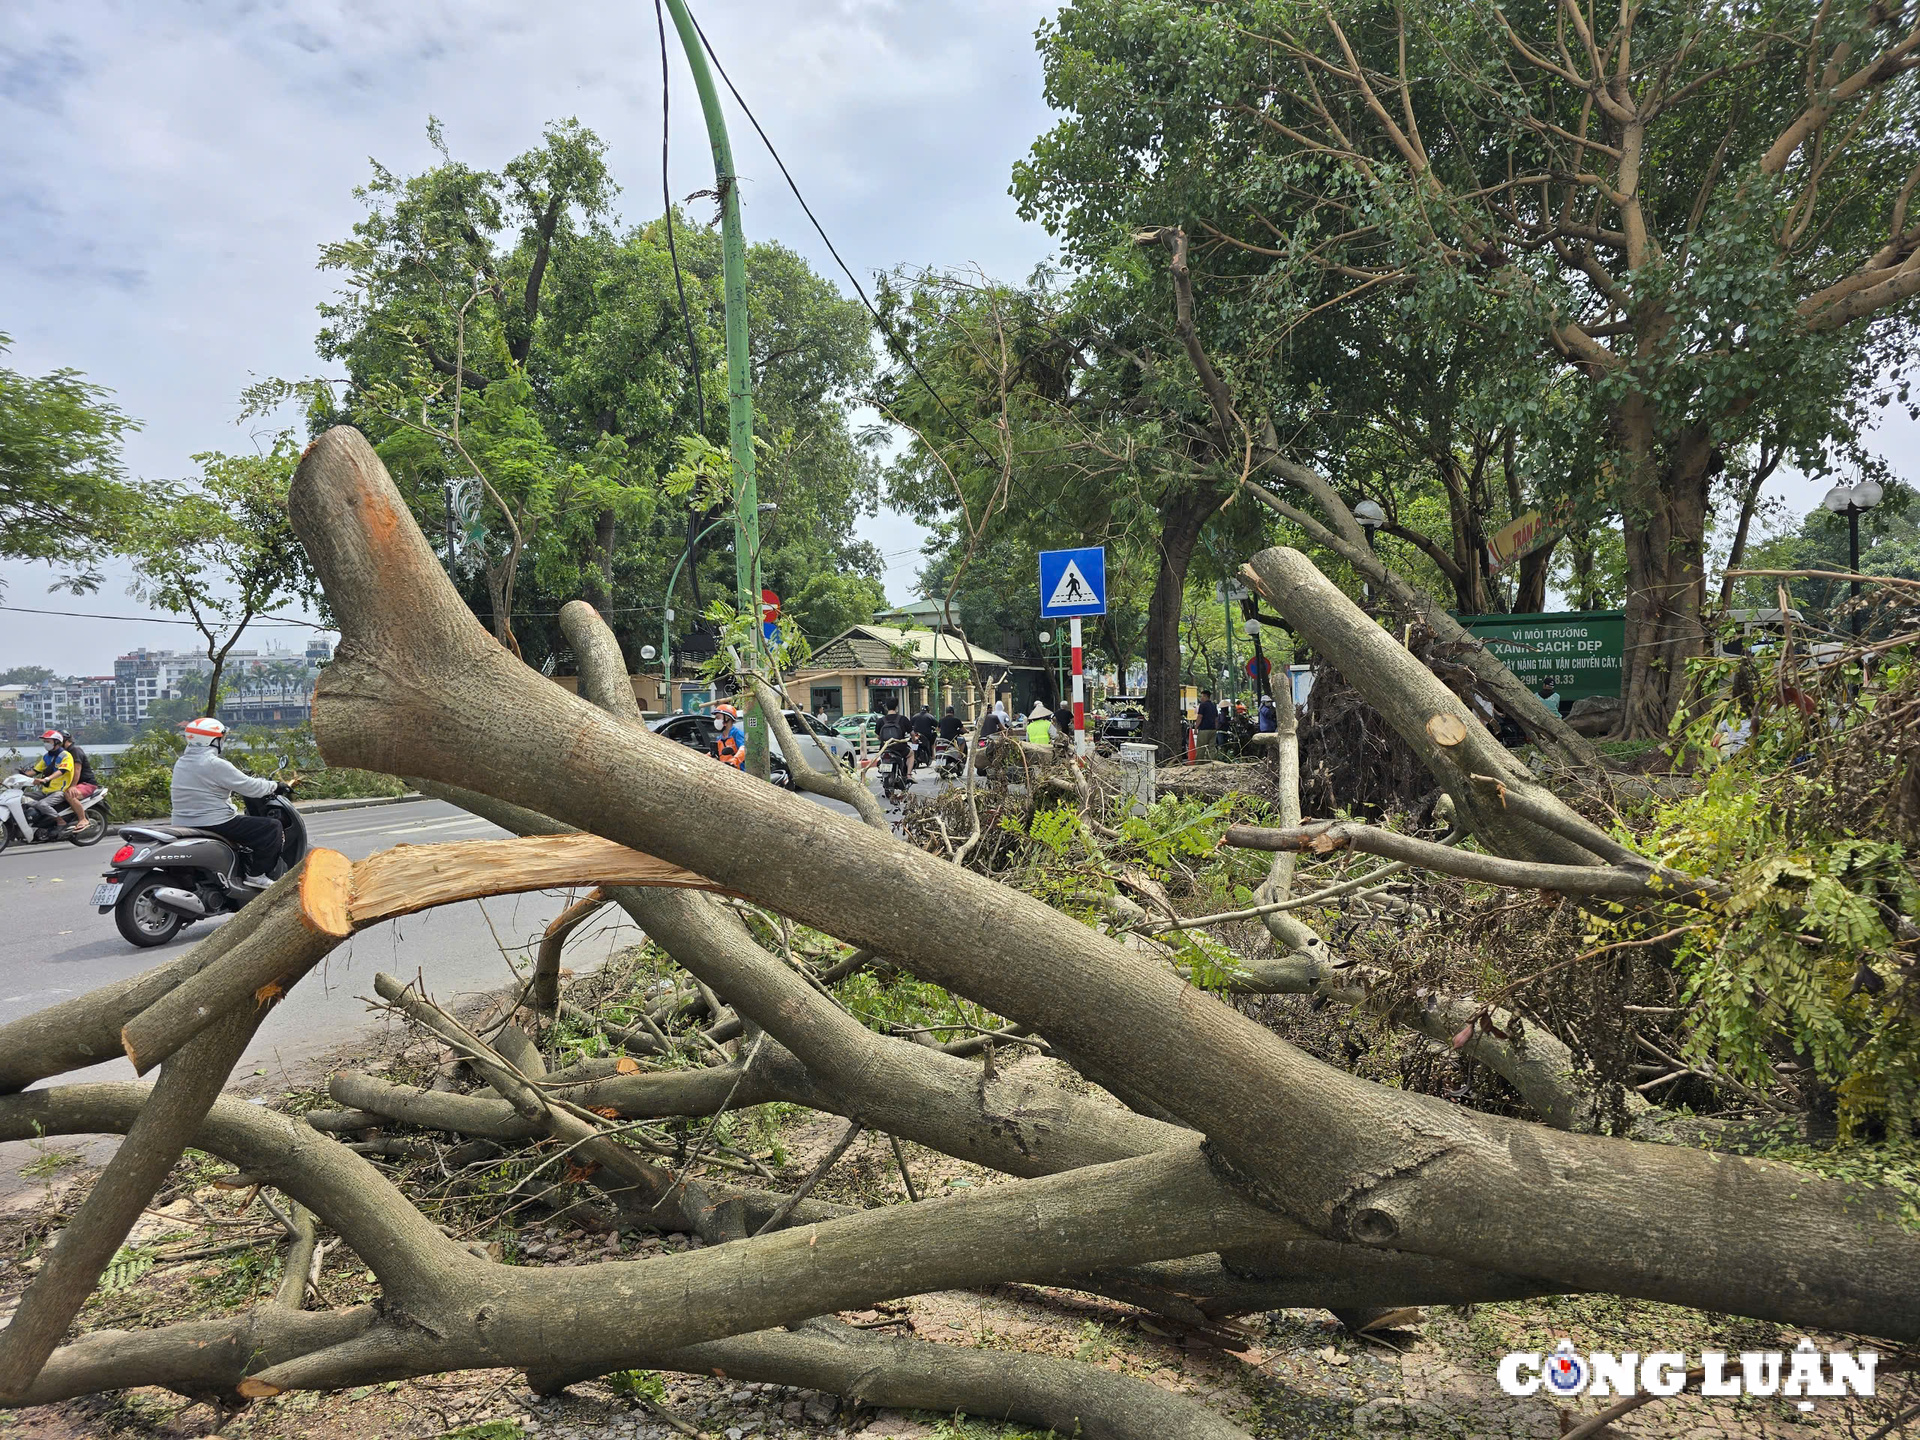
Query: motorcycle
point(35, 819)
point(165, 877)
point(949, 759)
point(896, 768)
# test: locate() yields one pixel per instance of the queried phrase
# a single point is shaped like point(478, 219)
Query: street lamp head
point(1369, 514)
point(647, 652)
point(669, 614)
point(1252, 627)
point(1867, 494)
point(767, 507)
point(1838, 499)
point(1046, 637)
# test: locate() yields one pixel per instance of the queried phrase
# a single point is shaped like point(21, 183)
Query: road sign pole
point(1079, 691)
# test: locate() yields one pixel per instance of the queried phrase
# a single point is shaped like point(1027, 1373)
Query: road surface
point(53, 945)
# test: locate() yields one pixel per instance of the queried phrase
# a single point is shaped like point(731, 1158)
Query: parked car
point(698, 732)
point(823, 748)
point(854, 728)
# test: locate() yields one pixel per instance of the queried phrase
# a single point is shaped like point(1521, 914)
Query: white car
point(824, 748)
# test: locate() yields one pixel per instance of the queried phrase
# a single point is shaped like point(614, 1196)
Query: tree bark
point(1354, 1162)
point(1183, 517)
point(1664, 522)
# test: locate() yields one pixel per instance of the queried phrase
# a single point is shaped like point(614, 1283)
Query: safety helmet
point(727, 710)
point(52, 737)
point(205, 731)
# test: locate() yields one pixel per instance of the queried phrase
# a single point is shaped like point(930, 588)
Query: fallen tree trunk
point(1353, 1162)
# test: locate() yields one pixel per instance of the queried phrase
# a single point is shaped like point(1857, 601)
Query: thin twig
point(787, 1206)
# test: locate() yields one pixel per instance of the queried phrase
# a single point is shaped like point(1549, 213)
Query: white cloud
point(172, 167)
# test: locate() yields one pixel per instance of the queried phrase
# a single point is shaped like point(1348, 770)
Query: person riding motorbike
point(57, 772)
point(732, 744)
point(924, 727)
point(84, 783)
point(891, 732)
point(203, 781)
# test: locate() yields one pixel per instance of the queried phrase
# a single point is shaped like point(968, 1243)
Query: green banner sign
point(1580, 649)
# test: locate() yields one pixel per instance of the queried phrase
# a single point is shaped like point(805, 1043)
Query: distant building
point(864, 667)
point(65, 704)
point(144, 676)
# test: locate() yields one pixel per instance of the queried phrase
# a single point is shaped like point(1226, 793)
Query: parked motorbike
point(167, 876)
point(32, 818)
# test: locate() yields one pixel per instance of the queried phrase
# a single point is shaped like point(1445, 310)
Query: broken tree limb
point(1446, 735)
point(1644, 881)
point(324, 900)
point(189, 1083)
point(543, 993)
point(839, 784)
point(418, 688)
point(644, 1189)
point(1066, 1397)
point(1535, 1062)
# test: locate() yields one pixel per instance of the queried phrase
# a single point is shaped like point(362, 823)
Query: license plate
point(106, 893)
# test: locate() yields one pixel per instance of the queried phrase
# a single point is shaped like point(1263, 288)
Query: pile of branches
point(1241, 1176)
point(1351, 758)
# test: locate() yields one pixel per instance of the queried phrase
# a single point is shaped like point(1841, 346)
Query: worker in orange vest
point(732, 745)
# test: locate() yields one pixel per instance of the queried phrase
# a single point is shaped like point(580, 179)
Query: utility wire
point(666, 200)
point(154, 619)
point(820, 230)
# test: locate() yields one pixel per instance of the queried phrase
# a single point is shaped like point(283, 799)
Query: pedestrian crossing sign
point(1073, 582)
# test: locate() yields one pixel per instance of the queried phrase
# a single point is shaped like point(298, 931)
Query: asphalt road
point(54, 945)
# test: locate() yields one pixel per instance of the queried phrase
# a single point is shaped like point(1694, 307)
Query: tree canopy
point(505, 331)
point(62, 484)
point(1674, 234)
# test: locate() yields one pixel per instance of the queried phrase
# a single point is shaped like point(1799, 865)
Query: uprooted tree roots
point(1245, 1177)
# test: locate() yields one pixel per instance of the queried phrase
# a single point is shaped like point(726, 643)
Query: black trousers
point(258, 838)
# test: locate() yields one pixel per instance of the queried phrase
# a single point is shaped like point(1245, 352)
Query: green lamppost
point(733, 264)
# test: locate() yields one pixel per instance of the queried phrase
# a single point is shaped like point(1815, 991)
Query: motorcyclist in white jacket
point(204, 782)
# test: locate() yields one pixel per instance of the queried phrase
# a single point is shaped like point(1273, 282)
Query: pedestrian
point(1269, 716)
point(949, 725)
point(1040, 724)
point(1206, 726)
point(1550, 695)
point(1063, 719)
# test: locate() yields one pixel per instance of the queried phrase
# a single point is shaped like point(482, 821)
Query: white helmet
point(205, 731)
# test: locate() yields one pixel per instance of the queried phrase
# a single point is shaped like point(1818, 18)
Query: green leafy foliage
point(129, 1263)
point(62, 486)
point(1801, 958)
point(221, 549)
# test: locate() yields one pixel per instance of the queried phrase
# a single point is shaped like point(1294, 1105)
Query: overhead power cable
point(819, 229)
point(666, 200)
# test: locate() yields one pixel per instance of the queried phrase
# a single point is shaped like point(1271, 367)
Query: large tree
point(510, 345)
point(1700, 216)
point(62, 486)
point(1044, 418)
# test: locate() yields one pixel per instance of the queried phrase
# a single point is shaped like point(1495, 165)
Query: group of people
point(1215, 725)
point(64, 774)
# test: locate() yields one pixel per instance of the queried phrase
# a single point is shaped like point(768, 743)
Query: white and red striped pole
point(1079, 691)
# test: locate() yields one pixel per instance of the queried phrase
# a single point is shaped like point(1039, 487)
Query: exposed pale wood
point(325, 883)
point(410, 878)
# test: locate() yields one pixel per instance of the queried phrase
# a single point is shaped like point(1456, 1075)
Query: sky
point(173, 167)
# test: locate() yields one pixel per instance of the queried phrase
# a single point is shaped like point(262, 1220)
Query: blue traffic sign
point(1073, 582)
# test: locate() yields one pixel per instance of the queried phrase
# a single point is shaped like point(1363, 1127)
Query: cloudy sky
point(172, 167)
